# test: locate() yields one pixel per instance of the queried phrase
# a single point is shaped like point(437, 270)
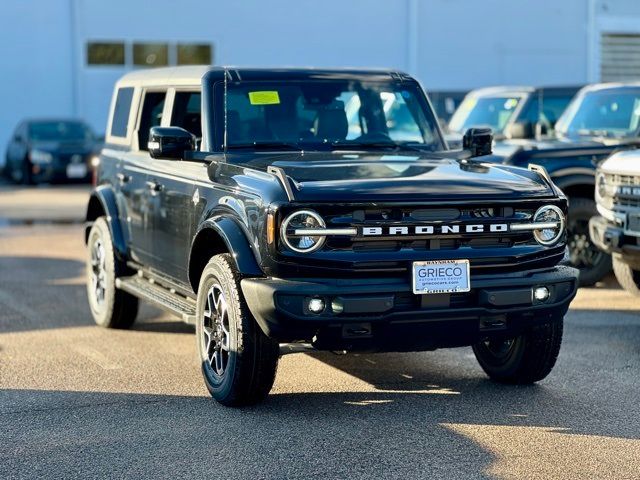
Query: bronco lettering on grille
point(434, 229)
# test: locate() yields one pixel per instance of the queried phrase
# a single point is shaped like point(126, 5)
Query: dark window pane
point(151, 54)
point(151, 116)
point(194, 54)
point(121, 112)
point(186, 112)
point(103, 53)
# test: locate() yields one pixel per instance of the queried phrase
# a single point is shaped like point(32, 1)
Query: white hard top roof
point(183, 75)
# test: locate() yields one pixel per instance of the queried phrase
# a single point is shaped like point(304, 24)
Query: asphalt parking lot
point(80, 401)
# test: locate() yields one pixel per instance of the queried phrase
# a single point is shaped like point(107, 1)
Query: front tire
point(110, 307)
point(627, 277)
point(525, 359)
point(239, 361)
point(593, 263)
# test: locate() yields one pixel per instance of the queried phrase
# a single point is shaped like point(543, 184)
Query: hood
point(335, 177)
point(623, 163)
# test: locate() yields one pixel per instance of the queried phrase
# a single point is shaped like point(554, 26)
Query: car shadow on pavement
point(401, 434)
point(289, 436)
point(449, 381)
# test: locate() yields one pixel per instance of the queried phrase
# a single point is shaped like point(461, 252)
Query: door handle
point(154, 186)
point(122, 178)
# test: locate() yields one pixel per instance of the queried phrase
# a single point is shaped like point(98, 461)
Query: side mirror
point(478, 141)
point(520, 130)
point(170, 142)
point(18, 138)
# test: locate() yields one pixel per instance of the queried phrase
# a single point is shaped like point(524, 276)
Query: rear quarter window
point(121, 110)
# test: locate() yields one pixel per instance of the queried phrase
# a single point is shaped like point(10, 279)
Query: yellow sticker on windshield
point(264, 98)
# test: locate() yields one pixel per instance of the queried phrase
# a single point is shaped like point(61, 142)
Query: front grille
point(401, 217)
point(358, 255)
point(617, 179)
point(629, 202)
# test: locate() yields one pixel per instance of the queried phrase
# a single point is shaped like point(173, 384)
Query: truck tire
point(238, 360)
point(627, 277)
point(110, 307)
point(593, 264)
point(525, 359)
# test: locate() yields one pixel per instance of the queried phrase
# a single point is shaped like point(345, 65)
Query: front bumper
point(375, 314)
point(612, 238)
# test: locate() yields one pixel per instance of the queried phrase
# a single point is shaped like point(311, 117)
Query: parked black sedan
point(50, 150)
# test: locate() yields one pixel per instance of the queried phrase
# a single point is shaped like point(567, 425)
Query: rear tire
point(593, 264)
point(627, 277)
point(110, 307)
point(525, 359)
point(238, 360)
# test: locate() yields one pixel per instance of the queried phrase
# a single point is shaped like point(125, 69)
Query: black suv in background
point(511, 112)
point(320, 208)
point(601, 120)
point(50, 150)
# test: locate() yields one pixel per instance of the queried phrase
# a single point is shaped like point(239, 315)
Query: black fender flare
point(106, 197)
point(236, 243)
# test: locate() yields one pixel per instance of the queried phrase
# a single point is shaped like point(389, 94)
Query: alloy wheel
point(98, 271)
point(216, 338)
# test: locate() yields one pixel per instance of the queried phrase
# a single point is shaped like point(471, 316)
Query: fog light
point(541, 294)
point(316, 305)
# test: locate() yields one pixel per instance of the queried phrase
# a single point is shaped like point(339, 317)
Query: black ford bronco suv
point(320, 208)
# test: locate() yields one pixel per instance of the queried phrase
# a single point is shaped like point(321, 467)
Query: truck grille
point(355, 254)
point(616, 179)
point(400, 217)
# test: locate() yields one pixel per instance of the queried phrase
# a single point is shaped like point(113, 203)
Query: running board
point(156, 294)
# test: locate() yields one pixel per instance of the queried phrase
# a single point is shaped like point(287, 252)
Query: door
point(175, 184)
point(136, 189)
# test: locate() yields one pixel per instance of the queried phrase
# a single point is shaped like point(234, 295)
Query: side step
point(155, 294)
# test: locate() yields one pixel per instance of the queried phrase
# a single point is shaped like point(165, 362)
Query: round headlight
point(604, 188)
point(549, 214)
point(293, 227)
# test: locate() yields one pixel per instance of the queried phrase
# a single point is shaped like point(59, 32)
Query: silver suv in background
point(616, 229)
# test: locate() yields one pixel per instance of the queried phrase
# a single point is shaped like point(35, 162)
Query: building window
point(151, 54)
point(620, 57)
point(194, 54)
point(105, 53)
point(121, 112)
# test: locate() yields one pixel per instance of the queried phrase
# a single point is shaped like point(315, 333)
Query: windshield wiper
point(265, 146)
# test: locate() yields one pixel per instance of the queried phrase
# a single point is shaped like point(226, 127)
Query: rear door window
point(121, 112)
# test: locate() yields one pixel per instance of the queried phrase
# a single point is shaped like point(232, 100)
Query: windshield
point(493, 112)
point(59, 131)
point(602, 113)
point(328, 114)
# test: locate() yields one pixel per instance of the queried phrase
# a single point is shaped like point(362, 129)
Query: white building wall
point(447, 44)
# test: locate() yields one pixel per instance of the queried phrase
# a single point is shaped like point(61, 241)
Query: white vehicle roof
point(184, 75)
